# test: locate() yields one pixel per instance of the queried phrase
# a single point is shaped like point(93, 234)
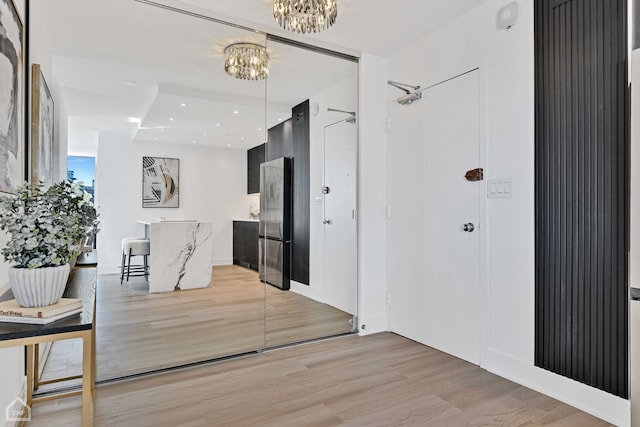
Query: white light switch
point(499, 188)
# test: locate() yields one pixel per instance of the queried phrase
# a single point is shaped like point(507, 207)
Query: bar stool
point(135, 246)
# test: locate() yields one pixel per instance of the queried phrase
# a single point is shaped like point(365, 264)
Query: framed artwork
point(11, 99)
point(42, 127)
point(160, 182)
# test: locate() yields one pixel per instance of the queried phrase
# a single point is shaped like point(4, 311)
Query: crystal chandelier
point(305, 16)
point(246, 61)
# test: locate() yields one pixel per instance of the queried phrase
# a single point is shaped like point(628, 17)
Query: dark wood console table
point(81, 284)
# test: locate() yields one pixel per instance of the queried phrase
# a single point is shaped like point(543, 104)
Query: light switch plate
point(501, 188)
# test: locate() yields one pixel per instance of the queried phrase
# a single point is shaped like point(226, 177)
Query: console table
point(81, 284)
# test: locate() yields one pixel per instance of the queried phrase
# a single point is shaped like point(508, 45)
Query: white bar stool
point(135, 246)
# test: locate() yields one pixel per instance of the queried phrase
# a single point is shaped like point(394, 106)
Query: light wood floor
point(378, 380)
point(139, 332)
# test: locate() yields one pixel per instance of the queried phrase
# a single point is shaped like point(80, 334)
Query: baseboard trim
point(598, 403)
point(372, 324)
point(306, 291)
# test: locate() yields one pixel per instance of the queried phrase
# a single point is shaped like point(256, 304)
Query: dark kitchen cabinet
point(280, 140)
point(255, 157)
point(245, 244)
point(301, 194)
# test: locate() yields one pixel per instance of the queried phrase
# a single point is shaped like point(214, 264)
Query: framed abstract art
point(11, 98)
point(42, 129)
point(160, 182)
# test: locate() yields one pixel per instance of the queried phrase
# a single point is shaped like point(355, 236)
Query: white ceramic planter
point(38, 287)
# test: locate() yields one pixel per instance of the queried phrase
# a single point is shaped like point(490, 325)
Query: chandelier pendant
point(248, 61)
point(305, 16)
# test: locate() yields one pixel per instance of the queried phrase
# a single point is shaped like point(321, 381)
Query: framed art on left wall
point(42, 136)
point(11, 98)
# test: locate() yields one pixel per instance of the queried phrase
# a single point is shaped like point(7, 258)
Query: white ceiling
point(176, 59)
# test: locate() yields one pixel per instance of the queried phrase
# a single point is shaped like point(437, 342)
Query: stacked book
point(10, 311)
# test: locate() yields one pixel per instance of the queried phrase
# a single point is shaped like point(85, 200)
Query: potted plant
point(45, 228)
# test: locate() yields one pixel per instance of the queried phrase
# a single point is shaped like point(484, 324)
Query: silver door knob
point(327, 221)
point(468, 227)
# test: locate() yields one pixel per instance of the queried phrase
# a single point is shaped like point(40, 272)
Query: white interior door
point(433, 264)
point(340, 238)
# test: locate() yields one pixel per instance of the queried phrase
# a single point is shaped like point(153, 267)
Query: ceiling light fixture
point(248, 61)
point(305, 16)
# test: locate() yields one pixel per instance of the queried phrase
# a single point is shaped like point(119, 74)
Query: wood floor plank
point(377, 380)
point(138, 332)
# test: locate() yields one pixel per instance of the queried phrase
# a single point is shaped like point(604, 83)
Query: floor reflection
point(139, 332)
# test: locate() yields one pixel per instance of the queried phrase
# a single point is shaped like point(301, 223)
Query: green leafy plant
point(46, 227)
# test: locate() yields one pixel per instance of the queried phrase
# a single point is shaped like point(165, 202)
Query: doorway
point(433, 231)
point(339, 219)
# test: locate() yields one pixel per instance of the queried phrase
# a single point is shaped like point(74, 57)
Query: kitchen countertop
point(246, 219)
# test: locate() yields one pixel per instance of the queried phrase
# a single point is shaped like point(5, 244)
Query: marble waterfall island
point(180, 255)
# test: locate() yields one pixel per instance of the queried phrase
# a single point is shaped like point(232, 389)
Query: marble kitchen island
point(180, 254)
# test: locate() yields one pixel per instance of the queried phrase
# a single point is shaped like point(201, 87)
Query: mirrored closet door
point(132, 82)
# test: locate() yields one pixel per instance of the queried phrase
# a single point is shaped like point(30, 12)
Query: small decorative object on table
point(46, 228)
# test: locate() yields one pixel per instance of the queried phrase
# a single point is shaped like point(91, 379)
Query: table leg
point(30, 377)
point(88, 378)
point(36, 366)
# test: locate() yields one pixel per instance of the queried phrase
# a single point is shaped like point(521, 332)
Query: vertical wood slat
point(582, 191)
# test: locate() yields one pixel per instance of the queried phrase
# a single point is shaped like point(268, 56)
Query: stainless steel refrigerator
point(275, 222)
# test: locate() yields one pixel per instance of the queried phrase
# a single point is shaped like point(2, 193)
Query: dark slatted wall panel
point(582, 191)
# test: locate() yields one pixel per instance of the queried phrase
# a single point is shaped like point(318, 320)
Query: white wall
point(343, 96)
point(372, 284)
point(213, 187)
point(506, 62)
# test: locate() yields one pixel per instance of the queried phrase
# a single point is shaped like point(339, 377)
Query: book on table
point(11, 311)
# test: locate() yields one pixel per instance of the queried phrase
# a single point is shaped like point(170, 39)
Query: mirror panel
point(320, 300)
point(132, 80)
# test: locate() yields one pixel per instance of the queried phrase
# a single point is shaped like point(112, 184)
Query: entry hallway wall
point(506, 62)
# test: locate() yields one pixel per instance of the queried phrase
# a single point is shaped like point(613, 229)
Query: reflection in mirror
point(319, 135)
point(144, 91)
point(133, 81)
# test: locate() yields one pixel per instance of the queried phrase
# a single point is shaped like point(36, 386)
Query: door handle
point(327, 221)
point(468, 227)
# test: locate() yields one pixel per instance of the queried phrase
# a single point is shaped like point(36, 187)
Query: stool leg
point(128, 265)
point(122, 267)
point(146, 269)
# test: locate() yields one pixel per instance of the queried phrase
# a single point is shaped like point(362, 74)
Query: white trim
point(373, 325)
point(306, 291)
point(598, 403)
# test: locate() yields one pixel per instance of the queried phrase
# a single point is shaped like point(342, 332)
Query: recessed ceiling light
point(242, 138)
point(129, 83)
point(279, 119)
point(194, 142)
point(235, 111)
point(171, 118)
point(259, 129)
point(204, 134)
point(183, 105)
point(228, 145)
point(217, 124)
